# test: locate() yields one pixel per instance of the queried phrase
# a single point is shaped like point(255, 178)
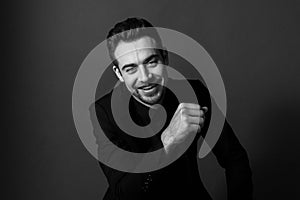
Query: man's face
point(141, 69)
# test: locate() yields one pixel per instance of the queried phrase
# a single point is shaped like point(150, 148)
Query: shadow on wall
point(276, 161)
point(274, 151)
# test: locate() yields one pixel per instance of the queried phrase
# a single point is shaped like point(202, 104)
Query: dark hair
point(129, 30)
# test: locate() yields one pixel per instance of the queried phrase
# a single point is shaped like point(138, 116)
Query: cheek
point(130, 81)
point(158, 71)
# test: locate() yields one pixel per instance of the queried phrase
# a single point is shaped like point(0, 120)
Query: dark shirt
point(181, 178)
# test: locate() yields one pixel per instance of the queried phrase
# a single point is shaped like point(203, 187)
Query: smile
point(149, 88)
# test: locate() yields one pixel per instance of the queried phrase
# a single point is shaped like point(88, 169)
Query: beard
point(151, 95)
point(151, 92)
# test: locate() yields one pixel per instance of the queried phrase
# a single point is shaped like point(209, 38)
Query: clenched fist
point(187, 119)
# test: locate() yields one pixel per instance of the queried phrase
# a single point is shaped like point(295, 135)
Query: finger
point(189, 106)
point(195, 120)
point(205, 109)
point(184, 108)
point(193, 112)
point(195, 127)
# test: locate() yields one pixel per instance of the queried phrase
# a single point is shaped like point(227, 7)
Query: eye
point(130, 70)
point(153, 62)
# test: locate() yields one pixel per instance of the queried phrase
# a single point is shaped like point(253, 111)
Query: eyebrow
point(150, 58)
point(128, 66)
point(144, 62)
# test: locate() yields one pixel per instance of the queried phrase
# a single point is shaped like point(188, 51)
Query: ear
point(165, 56)
point(118, 73)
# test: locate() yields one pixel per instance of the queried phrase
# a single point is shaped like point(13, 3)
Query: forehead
point(134, 51)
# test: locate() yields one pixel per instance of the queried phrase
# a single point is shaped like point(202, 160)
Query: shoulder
point(195, 83)
point(104, 101)
point(99, 110)
point(103, 106)
point(198, 87)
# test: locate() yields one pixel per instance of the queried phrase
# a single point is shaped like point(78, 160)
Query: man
point(140, 63)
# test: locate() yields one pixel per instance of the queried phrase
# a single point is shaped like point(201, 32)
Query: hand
point(187, 119)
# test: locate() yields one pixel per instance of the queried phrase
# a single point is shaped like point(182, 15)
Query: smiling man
point(140, 62)
point(141, 68)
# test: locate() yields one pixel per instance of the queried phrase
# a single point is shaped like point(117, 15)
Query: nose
point(144, 74)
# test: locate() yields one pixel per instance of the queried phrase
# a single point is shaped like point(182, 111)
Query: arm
point(122, 184)
point(229, 153)
point(187, 120)
point(233, 158)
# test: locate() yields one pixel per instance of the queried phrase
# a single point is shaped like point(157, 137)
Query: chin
point(151, 100)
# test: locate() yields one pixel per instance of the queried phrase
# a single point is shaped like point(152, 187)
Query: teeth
point(148, 87)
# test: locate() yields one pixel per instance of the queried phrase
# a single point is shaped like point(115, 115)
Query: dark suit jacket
point(180, 179)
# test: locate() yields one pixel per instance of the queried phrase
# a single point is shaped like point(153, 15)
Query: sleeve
point(122, 185)
point(234, 159)
point(231, 156)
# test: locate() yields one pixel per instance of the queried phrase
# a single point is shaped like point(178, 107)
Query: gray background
point(254, 43)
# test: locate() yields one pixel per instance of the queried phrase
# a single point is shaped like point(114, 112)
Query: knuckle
point(184, 118)
point(199, 129)
point(185, 123)
point(183, 111)
point(181, 105)
point(201, 120)
point(201, 112)
point(193, 128)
